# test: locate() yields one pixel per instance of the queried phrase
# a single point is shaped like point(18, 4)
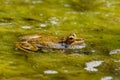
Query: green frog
point(33, 43)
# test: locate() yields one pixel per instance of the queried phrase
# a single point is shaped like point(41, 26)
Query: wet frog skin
point(33, 43)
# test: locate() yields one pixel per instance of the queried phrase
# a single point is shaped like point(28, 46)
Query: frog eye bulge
point(71, 38)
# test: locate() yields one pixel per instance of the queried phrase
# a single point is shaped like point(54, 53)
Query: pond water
point(63, 46)
point(116, 51)
point(50, 72)
point(98, 23)
point(91, 66)
point(107, 78)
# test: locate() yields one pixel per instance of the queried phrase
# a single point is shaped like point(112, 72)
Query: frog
point(34, 43)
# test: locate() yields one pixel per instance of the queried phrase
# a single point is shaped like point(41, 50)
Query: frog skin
point(33, 43)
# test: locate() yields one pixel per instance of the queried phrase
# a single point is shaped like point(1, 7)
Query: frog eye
point(71, 38)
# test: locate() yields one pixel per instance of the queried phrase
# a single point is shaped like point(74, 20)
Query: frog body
point(33, 43)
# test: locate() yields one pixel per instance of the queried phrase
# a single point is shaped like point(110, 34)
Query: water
point(61, 16)
point(43, 25)
point(5, 24)
point(91, 66)
point(26, 27)
point(65, 46)
point(107, 78)
point(50, 72)
point(116, 51)
point(53, 20)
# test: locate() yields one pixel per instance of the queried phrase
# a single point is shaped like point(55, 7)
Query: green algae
point(98, 23)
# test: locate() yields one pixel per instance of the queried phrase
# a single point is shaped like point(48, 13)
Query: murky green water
point(95, 21)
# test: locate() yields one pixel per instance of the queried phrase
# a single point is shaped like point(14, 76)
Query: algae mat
point(96, 21)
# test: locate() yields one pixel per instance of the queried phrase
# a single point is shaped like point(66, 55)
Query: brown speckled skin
point(28, 43)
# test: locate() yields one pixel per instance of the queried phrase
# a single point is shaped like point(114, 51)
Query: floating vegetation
point(97, 21)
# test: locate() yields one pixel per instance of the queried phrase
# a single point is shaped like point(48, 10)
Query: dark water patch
point(6, 19)
point(86, 5)
point(31, 19)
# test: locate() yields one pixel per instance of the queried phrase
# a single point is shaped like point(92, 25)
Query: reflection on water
point(4, 24)
point(42, 25)
point(91, 66)
point(64, 46)
point(65, 71)
point(41, 14)
point(77, 46)
point(117, 61)
point(54, 20)
point(107, 78)
point(114, 51)
point(50, 72)
point(67, 5)
point(93, 51)
point(26, 27)
point(37, 1)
